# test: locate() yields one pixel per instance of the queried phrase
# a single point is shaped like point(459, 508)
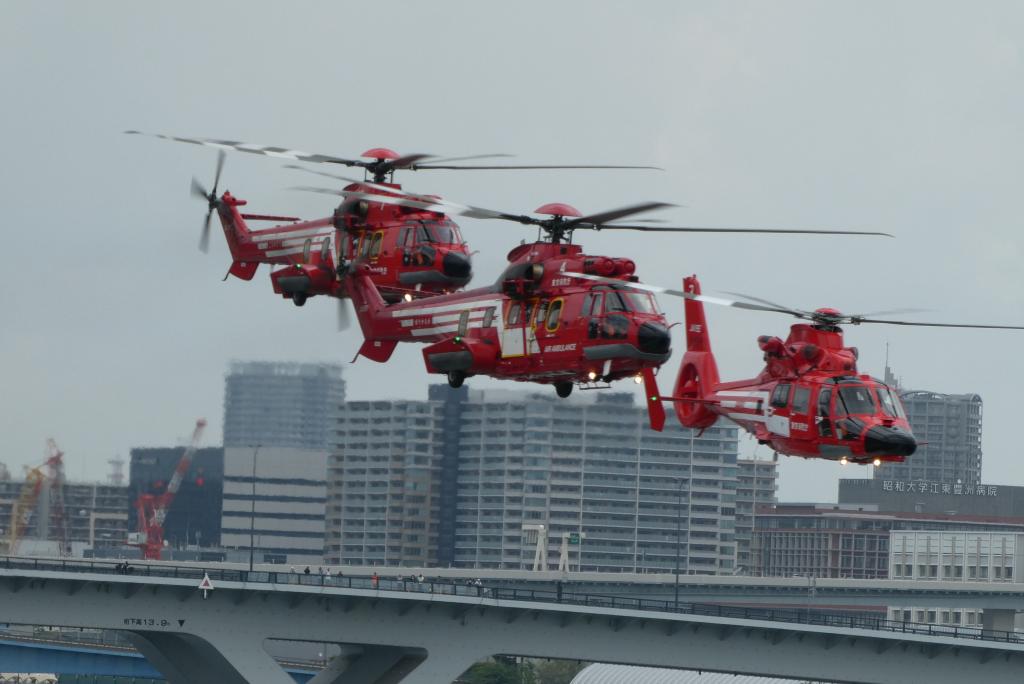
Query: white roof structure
point(600, 673)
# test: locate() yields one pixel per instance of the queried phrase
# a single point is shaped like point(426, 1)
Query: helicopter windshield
point(641, 302)
point(890, 402)
point(442, 233)
point(629, 300)
point(855, 399)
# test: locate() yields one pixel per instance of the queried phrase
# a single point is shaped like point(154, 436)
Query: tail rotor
point(199, 192)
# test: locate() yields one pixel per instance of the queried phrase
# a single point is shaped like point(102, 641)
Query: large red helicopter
point(809, 401)
point(404, 250)
point(535, 323)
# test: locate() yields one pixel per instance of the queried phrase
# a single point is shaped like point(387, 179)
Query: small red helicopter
point(809, 401)
point(404, 250)
point(536, 323)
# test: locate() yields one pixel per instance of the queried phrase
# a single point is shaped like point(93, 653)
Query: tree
point(557, 671)
point(501, 670)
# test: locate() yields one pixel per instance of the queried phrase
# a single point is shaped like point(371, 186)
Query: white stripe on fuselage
point(457, 307)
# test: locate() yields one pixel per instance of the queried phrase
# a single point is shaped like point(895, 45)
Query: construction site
point(42, 514)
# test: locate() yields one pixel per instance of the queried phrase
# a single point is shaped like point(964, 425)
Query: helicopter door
point(800, 413)
point(778, 413)
point(513, 334)
point(537, 318)
point(824, 417)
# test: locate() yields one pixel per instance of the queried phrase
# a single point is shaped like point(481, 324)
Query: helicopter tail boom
point(698, 373)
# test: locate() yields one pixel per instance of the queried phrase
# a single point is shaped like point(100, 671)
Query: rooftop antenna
point(116, 476)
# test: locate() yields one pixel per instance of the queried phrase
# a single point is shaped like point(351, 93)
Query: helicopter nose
point(653, 338)
point(456, 265)
point(891, 441)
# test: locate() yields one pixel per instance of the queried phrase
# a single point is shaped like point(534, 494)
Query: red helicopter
point(536, 323)
point(404, 250)
point(809, 401)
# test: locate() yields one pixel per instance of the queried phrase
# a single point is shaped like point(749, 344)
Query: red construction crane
point(152, 508)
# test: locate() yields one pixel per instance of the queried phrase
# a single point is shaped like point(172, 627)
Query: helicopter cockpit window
point(405, 238)
point(513, 314)
point(613, 301)
point(541, 314)
point(554, 312)
point(588, 304)
point(824, 423)
point(854, 399)
point(801, 400)
point(780, 397)
point(375, 244)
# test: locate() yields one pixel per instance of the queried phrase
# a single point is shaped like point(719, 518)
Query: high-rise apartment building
point(950, 427)
point(288, 405)
point(757, 486)
point(95, 516)
point(473, 479)
point(277, 422)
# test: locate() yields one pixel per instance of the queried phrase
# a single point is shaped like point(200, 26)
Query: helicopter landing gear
point(563, 389)
point(456, 378)
point(299, 298)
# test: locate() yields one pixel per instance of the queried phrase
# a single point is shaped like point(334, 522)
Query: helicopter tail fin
point(369, 306)
point(245, 256)
point(655, 409)
point(698, 373)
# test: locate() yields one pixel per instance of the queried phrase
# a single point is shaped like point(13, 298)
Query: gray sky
point(903, 117)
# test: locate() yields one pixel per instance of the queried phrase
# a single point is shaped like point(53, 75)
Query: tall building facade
point(384, 484)
point(288, 405)
point(950, 427)
point(474, 479)
point(278, 418)
point(847, 540)
point(757, 487)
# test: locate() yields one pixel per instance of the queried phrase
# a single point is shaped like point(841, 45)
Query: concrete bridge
point(429, 633)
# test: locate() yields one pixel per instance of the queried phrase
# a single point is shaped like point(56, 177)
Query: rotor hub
point(380, 153)
point(558, 209)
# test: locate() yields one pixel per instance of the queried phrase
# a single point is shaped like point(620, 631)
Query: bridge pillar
point(998, 619)
point(186, 659)
point(368, 666)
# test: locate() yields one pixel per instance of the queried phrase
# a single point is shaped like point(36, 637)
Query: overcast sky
point(901, 117)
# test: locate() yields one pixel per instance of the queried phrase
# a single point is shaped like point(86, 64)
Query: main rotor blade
point(518, 167)
point(198, 190)
point(344, 318)
point(406, 160)
point(221, 154)
point(613, 214)
point(472, 156)
point(252, 148)
point(857, 321)
point(204, 237)
point(614, 282)
point(699, 229)
point(765, 302)
point(422, 202)
point(889, 312)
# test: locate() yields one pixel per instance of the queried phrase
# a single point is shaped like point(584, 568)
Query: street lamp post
point(252, 510)
point(679, 522)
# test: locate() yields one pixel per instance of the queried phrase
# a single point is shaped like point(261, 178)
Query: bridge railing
point(423, 585)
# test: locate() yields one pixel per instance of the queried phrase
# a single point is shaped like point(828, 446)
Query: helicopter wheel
point(455, 379)
point(299, 298)
point(563, 389)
